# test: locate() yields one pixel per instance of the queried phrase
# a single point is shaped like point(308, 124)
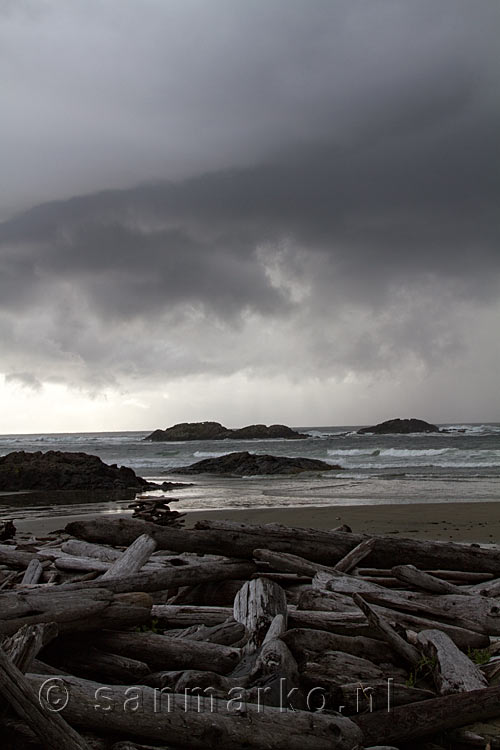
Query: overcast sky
point(248, 210)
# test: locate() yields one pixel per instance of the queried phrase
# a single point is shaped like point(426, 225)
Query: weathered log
point(227, 633)
point(487, 588)
point(453, 672)
point(276, 629)
point(337, 668)
point(91, 662)
point(18, 693)
point(288, 563)
point(462, 637)
point(326, 601)
point(15, 558)
point(303, 640)
point(212, 593)
point(415, 577)
point(69, 562)
point(92, 610)
point(358, 553)
point(170, 578)
point(425, 718)
point(226, 726)
point(350, 623)
point(23, 646)
point(77, 548)
point(133, 558)
point(275, 670)
point(375, 695)
point(405, 650)
point(33, 573)
point(255, 606)
point(177, 616)
point(387, 552)
point(472, 612)
point(161, 651)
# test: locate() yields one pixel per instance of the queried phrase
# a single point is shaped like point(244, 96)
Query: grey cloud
point(332, 203)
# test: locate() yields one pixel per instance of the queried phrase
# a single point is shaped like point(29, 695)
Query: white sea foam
point(211, 454)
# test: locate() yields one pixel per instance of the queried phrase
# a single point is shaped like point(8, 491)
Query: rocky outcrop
point(249, 464)
point(399, 427)
point(58, 470)
point(217, 431)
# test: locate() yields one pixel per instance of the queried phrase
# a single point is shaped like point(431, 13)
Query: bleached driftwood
point(33, 573)
point(133, 558)
point(412, 721)
point(453, 672)
point(409, 574)
point(23, 647)
point(358, 553)
point(303, 640)
point(255, 606)
point(18, 694)
point(179, 653)
point(230, 725)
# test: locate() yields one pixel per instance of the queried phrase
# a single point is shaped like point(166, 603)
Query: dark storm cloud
point(364, 216)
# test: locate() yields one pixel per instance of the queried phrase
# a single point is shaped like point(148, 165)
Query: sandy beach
point(461, 522)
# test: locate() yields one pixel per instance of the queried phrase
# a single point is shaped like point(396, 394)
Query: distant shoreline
point(461, 522)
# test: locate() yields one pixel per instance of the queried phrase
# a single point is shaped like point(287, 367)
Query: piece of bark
point(134, 557)
point(227, 726)
point(303, 640)
point(33, 573)
point(453, 672)
point(255, 606)
point(23, 647)
point(404, 649)
point(410, 722)
point(358, 553)
point(162, 652)
point(18, 693)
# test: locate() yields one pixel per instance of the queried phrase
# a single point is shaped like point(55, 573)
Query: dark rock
point(399, 427)
point(249, 464)
point(217, 431)
point(7, 530)
point(58, 470)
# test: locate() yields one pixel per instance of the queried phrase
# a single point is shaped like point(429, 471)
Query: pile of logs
point(157, 510)
point(126, 634)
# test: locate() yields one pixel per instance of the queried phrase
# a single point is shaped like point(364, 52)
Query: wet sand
point(460, 522)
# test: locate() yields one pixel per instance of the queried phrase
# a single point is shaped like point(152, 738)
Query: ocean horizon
point(460, 465)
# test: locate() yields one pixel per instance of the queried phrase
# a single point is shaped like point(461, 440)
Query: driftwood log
point(226, 726)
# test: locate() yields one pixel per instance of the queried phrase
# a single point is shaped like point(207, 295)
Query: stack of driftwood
point(125, 634)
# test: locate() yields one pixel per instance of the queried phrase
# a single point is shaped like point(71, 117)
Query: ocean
point(461, 465)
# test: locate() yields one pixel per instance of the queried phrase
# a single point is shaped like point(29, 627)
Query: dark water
point(462, 465)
